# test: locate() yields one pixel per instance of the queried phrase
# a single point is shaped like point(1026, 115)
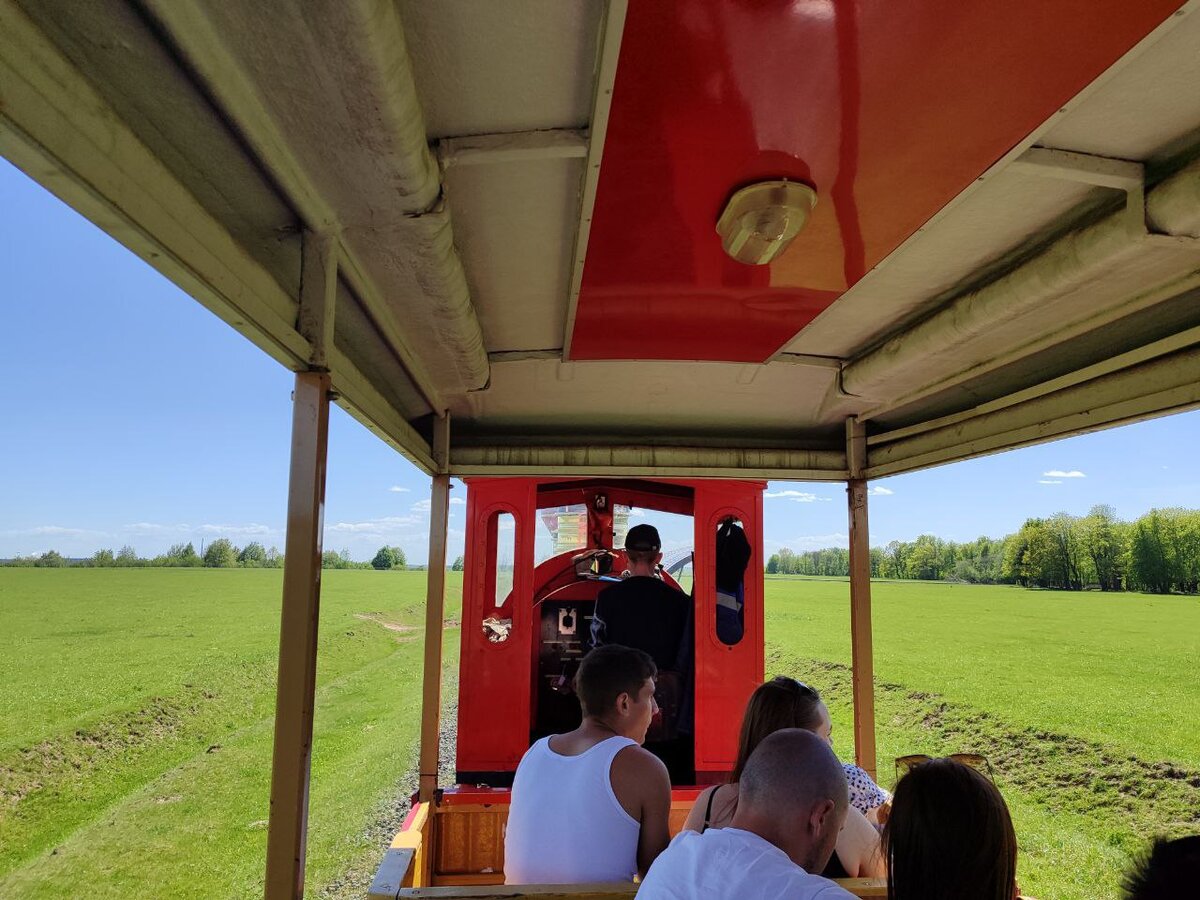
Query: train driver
point(646, 613)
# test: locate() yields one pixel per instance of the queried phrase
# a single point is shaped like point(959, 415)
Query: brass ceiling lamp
point(760, 220)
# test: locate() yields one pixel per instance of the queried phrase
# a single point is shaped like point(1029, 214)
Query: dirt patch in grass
point(378, 619)
point(29, 769)
point(1133, 799)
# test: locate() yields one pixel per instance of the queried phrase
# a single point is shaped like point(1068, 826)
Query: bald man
point(791, 806)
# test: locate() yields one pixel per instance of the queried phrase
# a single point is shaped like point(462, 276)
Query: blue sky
point(137, 417)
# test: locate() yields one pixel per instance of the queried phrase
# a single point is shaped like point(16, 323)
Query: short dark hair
point(792, 768)
point(608, 672)
point(1168, 870)
point(949, 836)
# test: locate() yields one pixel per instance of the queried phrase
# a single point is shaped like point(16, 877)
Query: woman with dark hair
point(786, 703)
point(1169, 870)
point(949, 836)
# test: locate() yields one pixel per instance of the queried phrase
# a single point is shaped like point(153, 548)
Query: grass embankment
point(135, 729)
point(1086, 704)
point(135, 725)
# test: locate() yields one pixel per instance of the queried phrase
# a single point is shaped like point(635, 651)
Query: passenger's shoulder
point(638, 763)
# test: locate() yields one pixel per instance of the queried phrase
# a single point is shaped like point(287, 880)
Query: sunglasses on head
point(799, 686)
point(977, 761)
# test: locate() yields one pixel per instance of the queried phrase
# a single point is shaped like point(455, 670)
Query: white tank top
point(565, 824)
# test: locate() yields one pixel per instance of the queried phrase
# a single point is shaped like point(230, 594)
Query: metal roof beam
point(1160, 385)
point(524, 146)
point(649, 461)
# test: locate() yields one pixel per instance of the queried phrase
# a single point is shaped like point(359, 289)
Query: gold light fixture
point(760, 220)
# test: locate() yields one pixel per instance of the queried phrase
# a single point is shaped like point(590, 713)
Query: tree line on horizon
point(1157, 553)
point(220, 554)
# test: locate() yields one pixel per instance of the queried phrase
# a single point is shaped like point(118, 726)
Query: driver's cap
point(644, 538)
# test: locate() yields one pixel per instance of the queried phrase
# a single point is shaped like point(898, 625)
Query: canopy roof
point(506, 212)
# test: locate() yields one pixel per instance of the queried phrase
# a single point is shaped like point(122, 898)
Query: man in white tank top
point(592, 805)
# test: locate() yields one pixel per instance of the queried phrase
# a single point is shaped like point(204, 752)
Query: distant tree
point(384, 559)
point(253, 555)
point(772, 564)
point(459, 564)
point(221, 554)
point(893, 565)
point(331, 559)
point(400, 558)
point(273, 559)
point(877, 561)
point(102, 559)
point(1104, 541)
point(51, 559)
point(183, 555)
point(926, 558)
point(127, 556)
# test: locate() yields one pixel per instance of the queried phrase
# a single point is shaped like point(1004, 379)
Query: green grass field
point(135, 731)
point(1086, 704)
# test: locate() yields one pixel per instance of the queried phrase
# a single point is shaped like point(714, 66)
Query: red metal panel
point(496, 680)
point(493, 717)
point(726, 675)
point(888, 109)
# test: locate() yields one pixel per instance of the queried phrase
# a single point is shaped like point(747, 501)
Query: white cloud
point(250, 529)
point(880, 491)
point(397, 489)
point(818, 541)
point(157, 528)
point(422, 505)
point(383, 526)
point(457, 501)
point(1058, 473)
point(1049, 481)
point(797, 496)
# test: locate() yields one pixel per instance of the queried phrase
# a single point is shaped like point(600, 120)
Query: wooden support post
point(860, 599)
point(288, 824)
point(435, 604)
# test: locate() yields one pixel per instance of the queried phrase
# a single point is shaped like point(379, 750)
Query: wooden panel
point(470, 840)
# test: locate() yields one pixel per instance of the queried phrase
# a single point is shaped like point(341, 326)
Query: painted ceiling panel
point(889, 110)
point(1139, 115)
point(484, 67)
point(509, 219)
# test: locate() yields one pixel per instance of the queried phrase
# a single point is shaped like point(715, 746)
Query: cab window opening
point(731, 560)
point(501, 546)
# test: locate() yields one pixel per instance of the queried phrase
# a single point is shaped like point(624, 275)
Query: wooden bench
point(454, 850)
point(860, 887)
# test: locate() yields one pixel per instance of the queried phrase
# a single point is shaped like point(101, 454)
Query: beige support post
point(435, 604)
point(288, 823)
point(860, 598)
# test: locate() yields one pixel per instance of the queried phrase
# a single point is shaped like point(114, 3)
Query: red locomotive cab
point(538, 552)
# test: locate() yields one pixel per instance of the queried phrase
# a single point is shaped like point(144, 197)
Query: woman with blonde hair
point(786, 703)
